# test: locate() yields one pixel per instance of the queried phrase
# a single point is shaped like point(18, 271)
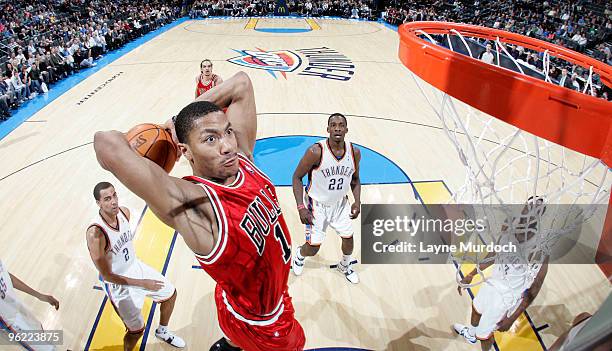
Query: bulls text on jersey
point(261, 216)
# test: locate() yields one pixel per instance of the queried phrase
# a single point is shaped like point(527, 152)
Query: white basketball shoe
point(348, 272)
point(298, 263)
point(465, 332)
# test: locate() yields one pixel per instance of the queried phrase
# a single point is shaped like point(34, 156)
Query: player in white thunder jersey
point(332, 166)
point(127, 280)
point(514, 283)
point(15, 317)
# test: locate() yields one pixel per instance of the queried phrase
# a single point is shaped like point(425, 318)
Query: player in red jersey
point(206, 80)
point(227, 213)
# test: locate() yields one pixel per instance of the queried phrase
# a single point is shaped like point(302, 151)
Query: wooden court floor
point(49, 170)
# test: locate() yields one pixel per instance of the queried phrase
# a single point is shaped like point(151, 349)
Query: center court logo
point(320, 62)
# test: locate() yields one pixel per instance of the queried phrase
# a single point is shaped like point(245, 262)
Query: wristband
point(301, 207)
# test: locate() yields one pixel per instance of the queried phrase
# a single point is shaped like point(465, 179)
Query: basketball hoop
point(519, 137)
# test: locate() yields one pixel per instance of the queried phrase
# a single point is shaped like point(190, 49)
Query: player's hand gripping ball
point(155, 143)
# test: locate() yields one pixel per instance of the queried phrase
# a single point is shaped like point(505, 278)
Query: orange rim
point(566, 117)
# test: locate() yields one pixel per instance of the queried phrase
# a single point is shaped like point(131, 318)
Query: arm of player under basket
point(21, 286)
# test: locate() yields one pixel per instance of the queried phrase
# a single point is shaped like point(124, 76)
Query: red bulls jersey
point(251, 258)
point(202, 88)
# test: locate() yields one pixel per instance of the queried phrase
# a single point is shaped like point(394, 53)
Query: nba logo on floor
point(272, 61)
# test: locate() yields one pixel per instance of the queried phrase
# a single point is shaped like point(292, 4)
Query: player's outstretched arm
point(310, 160)
point(237, 95)
point(147, 180)
point(21, 286)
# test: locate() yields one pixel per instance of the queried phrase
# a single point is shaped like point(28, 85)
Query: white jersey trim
point(100, 223)
point(219, 246)
point(276, 313)
point(237, 183)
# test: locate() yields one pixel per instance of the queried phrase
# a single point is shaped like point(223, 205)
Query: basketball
point(154, 143)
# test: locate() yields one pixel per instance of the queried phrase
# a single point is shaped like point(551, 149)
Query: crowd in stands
point(558, 71)
point(206, 8)
point(364, 9)
point(44, 41)
point(346, 9)
point(581, 25)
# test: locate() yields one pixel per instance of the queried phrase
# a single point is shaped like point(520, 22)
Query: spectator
point(53, 70)
point(8, 71)
point(31, 48)
point(5, 99)
point(14, 61)
point(34, 76)
point(10, 90)
point(67, 55)
point(574, 82)
point(24, 76)
point(536, 62)
point(46, 72)
point(18, 86)
point(487, 55)
point(564, 81)
point(87, 61)
point(59, 63)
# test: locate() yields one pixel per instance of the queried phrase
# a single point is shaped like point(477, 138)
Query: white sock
point(298, 253)
point(346, 260)
point(162, 329)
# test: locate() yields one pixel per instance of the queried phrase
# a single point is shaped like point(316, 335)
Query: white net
point(531, 191)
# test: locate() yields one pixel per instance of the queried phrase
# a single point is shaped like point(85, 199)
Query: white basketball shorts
point(490, 304)
point(128, 300)
point(335, 215)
